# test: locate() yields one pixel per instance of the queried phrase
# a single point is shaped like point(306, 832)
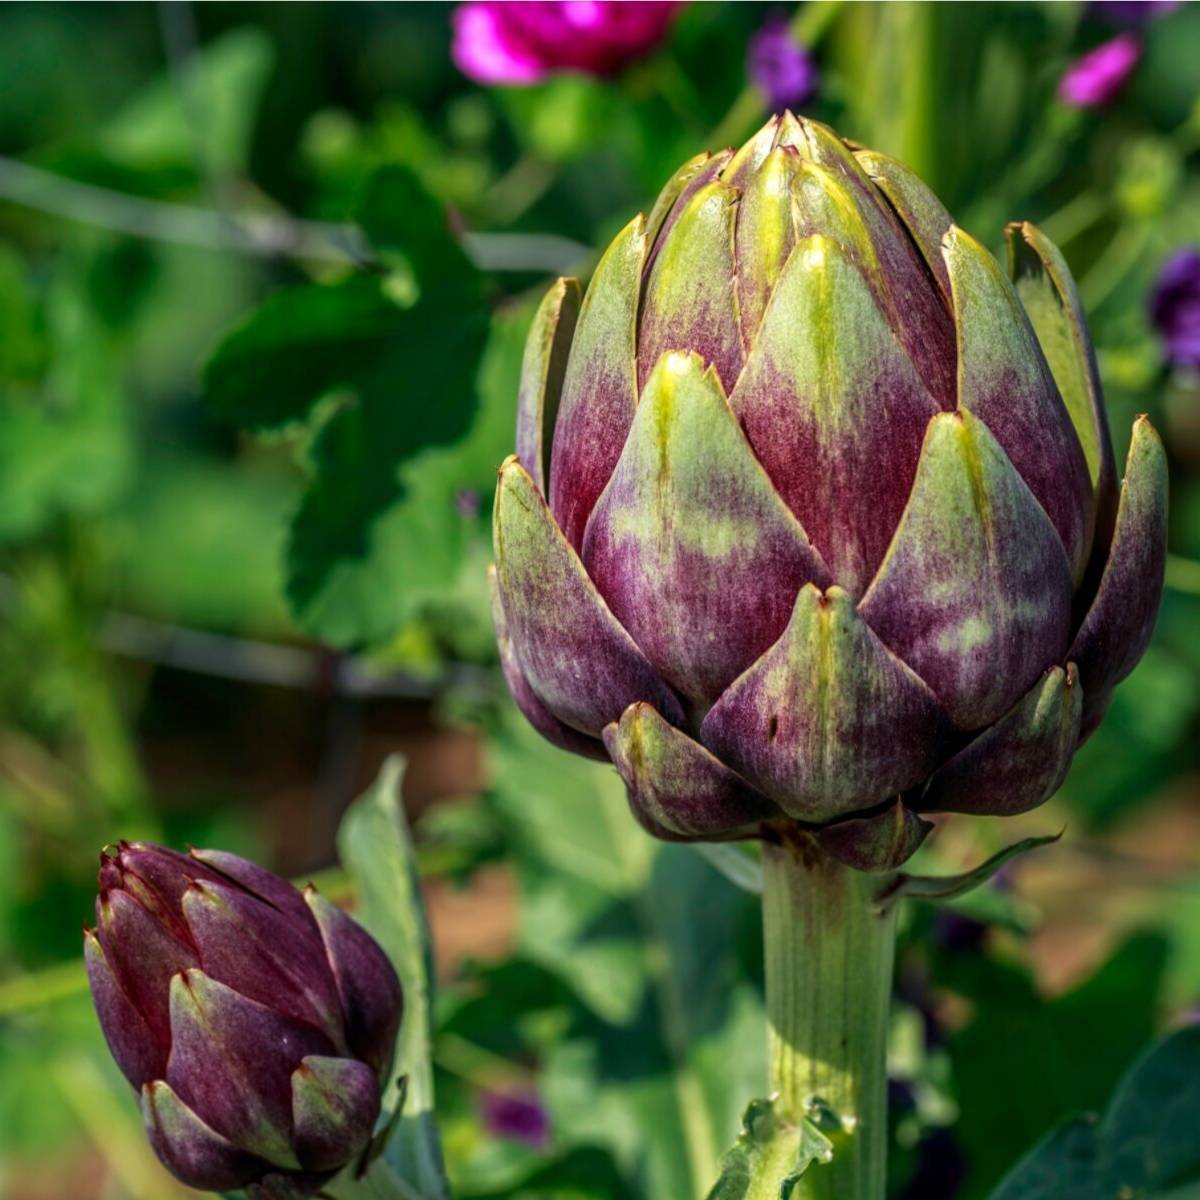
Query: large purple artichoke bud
point(256, 1021)
point(814, 516)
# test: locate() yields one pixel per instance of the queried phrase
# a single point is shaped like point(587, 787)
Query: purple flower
point(502, 41)
point(1099, 75)
point(1130, 14)
point(519, 1117)
point(780, 67)
point(1175, 307)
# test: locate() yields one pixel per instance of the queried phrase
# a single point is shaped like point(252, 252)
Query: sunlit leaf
point(376, 850)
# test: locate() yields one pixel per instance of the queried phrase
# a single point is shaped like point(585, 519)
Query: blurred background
point(246, 461)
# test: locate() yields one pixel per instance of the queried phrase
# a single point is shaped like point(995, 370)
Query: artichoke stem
point(829, 955)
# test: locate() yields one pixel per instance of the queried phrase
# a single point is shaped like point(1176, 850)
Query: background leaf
point(1145, 1146)
point(395, 356)
point(375, 848)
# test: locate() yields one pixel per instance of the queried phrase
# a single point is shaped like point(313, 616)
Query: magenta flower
point(1098, 77)
point(780, 67)
point(503, 41)
point(1175, 307)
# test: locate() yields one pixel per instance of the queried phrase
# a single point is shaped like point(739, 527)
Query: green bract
point(814, 516)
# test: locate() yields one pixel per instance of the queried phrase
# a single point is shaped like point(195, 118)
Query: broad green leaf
point(355, 578)
point(1146, 1146)
point(1024, 1063)
point(382, 371)
point(376, 850)
point(404, 222)
point(382, 337)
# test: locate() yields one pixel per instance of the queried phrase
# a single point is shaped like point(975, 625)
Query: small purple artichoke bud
point(256, 1021)
point(814, 522)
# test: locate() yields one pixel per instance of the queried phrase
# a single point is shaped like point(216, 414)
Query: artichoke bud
point(257, 1022)
point(814, 519)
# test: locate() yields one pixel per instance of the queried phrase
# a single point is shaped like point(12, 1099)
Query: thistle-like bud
point(257, 1022)
point(814, 518)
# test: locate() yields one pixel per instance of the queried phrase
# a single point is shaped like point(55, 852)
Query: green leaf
point(736, 861)
point(203, 543)
point(223, 83)
point(376, 850)
point(770, 1156)
point(1146, 1147)
point(1024, 1062)
point(666, 1046)
point(585, 1173)
point(398, 360)
point(402, 220)
point(65, 438)
point(947, 887)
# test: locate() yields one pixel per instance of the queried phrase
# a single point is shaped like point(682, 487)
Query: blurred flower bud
point(1175, 307)
point(1098, 77)
point(518, 1117)
point(780, 67)
point(1130, 14)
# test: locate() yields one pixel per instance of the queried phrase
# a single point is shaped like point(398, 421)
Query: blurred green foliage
point(265, 272)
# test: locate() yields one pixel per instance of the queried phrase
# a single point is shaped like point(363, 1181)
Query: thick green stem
point(829, 974)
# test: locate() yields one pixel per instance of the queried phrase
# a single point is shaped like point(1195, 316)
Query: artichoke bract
point(813, 517)
point(257, 1022)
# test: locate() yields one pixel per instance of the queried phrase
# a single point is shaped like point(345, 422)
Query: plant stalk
point(829, 953)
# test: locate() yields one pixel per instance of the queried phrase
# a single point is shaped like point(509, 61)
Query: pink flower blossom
point(506, 41)
point(1099, 75)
